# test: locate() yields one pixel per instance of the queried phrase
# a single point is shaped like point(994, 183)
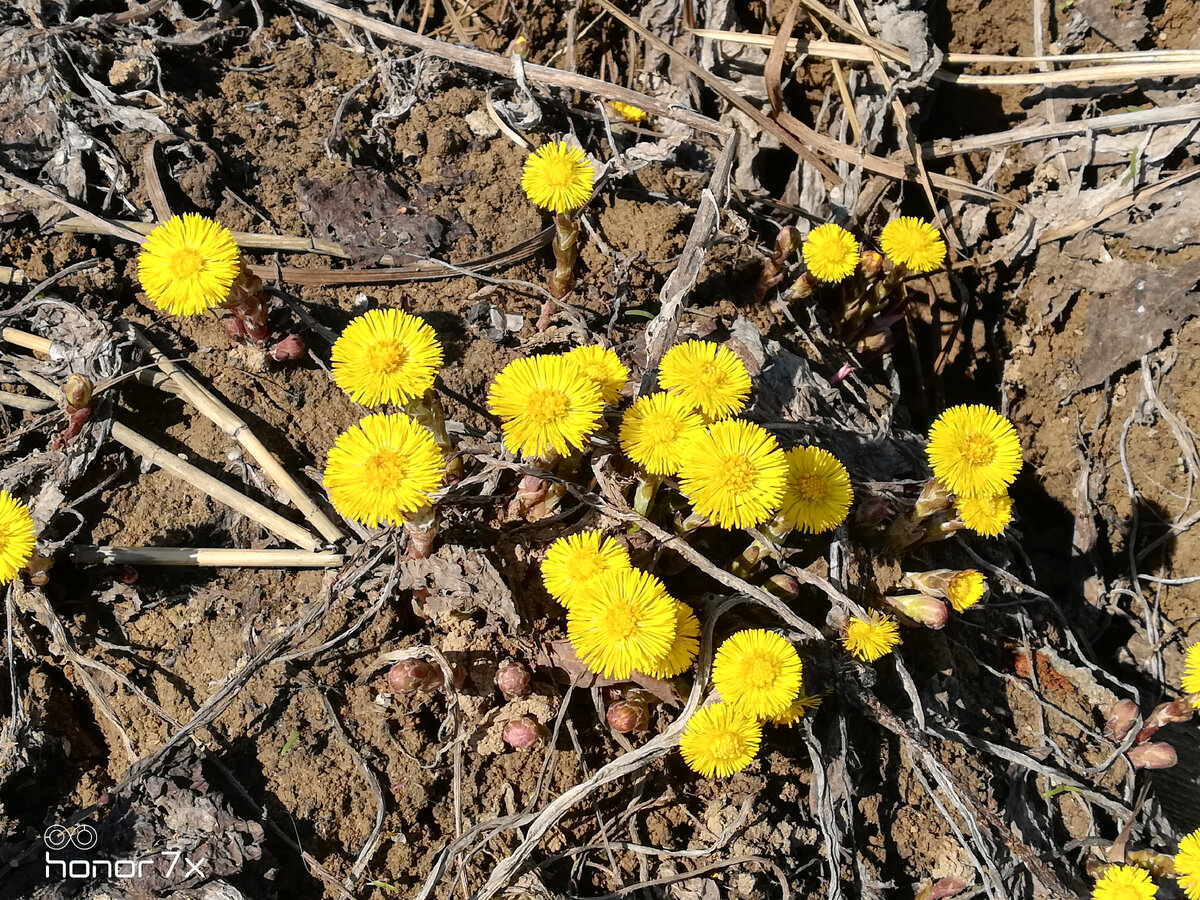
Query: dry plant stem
point(247, 240)
point(30, 404)
point(10, 275)
point(214, 409)
point(204, 556)
point(249, 304)
point(421, 528)
point(26, 340)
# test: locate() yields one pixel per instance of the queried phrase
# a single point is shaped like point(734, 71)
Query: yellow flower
point(720, 740)
point(558, 177)
point(683, 648)
point(757, 671)
point(383, 469)
point(818, 492)
point(386, 356)
point(912, 243)
point(187, 264)
point(631, 114)
point(1191, 672)
point(1187, 865)
point(602, 366)
point(964, 589)
point(655, 429)
point(574, 563)
point(1124, 883)
point(985, 515)
point(625, 622)
point(545, 403)
point(974, 451)
point(830, 252)
point(869, 639)
point(734, 474)
point(16, 536)
point(796, 710)
point(708, 376)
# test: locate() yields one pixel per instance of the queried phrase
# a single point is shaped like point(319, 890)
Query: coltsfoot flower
point(974, 451)
point(655, 429)
point(632, 114)
point(558, 177)
point(1187, 865)
point(830, 252)
point(383, 469)
point(575, 562)
point(708, 376)
point(626, 622)
point(868, 639)
point(16, 536)
point(602, 366)
point(757, 671)
point(1124, 883)
point(1191, 672)
point(818, 491)
point(965, 589)
point(796, 710)
point(386, 356)
point(734, 474)
point(187, 264)
point(545, 403)
point(912, 243)
point(683, 648)
point(720, 740)
point(988, 516)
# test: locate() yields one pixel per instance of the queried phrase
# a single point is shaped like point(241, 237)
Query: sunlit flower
point(383, 469)
point(558, 177)
point(985, 515)
point(719, 740)
point(386, 356)
point(545, 403)
point(602, 366)
point(574, 563)
point(683, 648)
point(964, 589)
point(655, 429)
point(1187, 865)
point(631, 114)
point(16, 536)
point(796, 710)
point(1191, 672)
point(734, 474)
point(1124, 883)
point(818, 492)
point(912, 243)
point(187, 264)
point(830, 252)
point(757, 671)
point(708, 376)
point(974, 451)
point(625, 622)
point(869, 639)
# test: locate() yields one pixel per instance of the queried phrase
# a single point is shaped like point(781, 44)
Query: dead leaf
point(1122, 23)
point(561, 655)
point(458, 580)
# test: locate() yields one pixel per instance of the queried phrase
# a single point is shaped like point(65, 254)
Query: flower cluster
point(974, 452)
point(962, 589)
point(832, 254)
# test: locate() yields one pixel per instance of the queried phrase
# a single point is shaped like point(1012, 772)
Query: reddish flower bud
point(871, 511)
point(290, 349)
point(804, 287)
point(522, 733)
point(1152, 756)
point(784, 586)
point(77, 392)
point(234, 328)
point(625, 716)
point(129, 575)
point(513, 679)
point(871, 264)
point(1120, 719)
point(921, 609)
point(411, 675)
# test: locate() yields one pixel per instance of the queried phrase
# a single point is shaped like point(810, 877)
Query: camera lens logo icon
point(83, 836)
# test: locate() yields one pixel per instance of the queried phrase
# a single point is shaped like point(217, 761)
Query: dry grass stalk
point(9, 275)
point(20, 401)
point(245, 239)
point(28, 341)
point(205, 557)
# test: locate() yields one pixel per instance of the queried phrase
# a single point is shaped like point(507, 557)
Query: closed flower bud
point(871, 264)
point(1120, 719)
point(921, 609)
point(625, 716)
point(871, 511)
point(934, 498)
point(522, 733)
point(77, 392)
point(803, 287)
point(933, 582)
point(513, 679)
point(784, 586)
point(1152, 756)
point(412, 675)
point(290, 349)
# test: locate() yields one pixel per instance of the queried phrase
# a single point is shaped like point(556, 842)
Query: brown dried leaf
point(457, 580)
point(1124, 23)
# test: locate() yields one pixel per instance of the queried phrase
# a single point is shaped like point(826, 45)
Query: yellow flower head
point(683, 648)
point(757, 671)
point(655, 429)
point(720, 740)
point(818, 490)
point(974, 451)
point(734, 474)
point(1124, 883)
point(187, 264)
point(708, 376)
point(1191, 672)
point(574, 563)
point(545, 403)
point(985, 515)
point(386, 356)
point(16, 536)
point(796, 710)
point(1187, 865)
point(383, 469)
point(558, 177)
point(830, 252)
point(869, 639)
point(912, 243)
point(602, 366)
point(964, 589)
point(625, 622)
point(631, 114)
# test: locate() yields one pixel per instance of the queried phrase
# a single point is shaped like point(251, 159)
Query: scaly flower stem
point(531, 492)
point(566, 469)
point(643, 497)
point(421, 528)
point(428, 411)
point(249, 304)
point(566, 254)
point(775, 531)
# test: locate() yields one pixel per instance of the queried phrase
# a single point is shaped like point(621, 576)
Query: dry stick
point(244, 239)
point(214, 557)
point(102, 225)
point(28, 341)
point(1115, 206)
point(158, 197)
point(30, 404)
point(213, 408)
point(10, 275)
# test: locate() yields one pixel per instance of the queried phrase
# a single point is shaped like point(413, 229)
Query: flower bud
point(784, 586)
point(934, 498)
point(804, 287)
point(919, 608)
point(522, 733)
point(1152, 756)
point(513, 679)
point(412, 675)
point(934, 582)
point(235, 329)
point(871, 264)
point(625, 716)
point(77, 392)
point(290, 349)
point(871, 511)
point(1120, 719)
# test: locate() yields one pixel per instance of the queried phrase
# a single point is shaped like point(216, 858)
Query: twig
point(26, 340)
point(103, 225)
point(245, 239)
point(11, 275)
point(205, 556)
point(20, 401)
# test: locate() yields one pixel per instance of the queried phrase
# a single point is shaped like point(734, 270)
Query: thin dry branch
point(247, 240)
point(215, 557)
point(28, 341)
